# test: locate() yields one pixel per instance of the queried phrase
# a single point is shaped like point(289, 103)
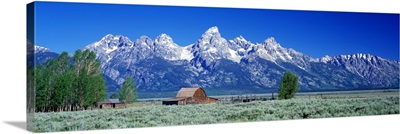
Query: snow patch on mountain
point(234, 56)
point(40, 49)
point(325, 59)
point(185, 54)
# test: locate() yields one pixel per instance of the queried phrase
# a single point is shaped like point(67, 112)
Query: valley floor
point(159, 115)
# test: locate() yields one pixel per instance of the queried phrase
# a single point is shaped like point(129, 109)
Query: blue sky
point(71, 26)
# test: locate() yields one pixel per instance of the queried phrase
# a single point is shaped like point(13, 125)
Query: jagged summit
point(326, 58)
point(272, 44)
point(108, 36)
point(211, 33)
point(145, 37)
point(240, 39)
point(163, 35)
point(212, 30)
point(163, 39)
point(362, 56)
point(270, 40)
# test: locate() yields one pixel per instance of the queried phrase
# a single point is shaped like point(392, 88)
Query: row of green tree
point(62, 84)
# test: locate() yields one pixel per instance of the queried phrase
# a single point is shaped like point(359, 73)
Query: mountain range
point(214, 63)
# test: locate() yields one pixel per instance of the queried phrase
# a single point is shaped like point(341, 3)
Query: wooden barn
point(190, 96)
point(111, 103)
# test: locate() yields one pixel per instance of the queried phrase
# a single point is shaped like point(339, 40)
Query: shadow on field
point(18, 124)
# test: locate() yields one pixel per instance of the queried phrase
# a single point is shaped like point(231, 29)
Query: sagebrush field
point(159, 115)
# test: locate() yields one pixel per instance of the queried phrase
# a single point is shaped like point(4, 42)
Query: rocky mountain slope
point(214, 63)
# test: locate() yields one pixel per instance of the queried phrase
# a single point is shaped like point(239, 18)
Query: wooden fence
point(245, 98)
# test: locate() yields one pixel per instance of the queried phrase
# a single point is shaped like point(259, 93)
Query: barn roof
point(111, 101)
point(187, 92)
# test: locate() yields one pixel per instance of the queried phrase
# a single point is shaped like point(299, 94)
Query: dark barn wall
point(170, 102)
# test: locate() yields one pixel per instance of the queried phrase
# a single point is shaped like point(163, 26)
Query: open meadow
point(303, 107)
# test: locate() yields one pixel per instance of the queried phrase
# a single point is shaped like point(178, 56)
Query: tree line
point(65, 84)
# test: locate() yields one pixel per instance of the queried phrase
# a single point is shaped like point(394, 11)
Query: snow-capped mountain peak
point(38, 55)
point(212, 34)
point(107, 37)
point(272, 51)
point(270, 40)
point(211, 47)
point(272, 44)
point(41, 49)
point(241, 43)
point(212, 30)
point(163, 39)
point(167, 49)
point(144, 40)
point(110, 38)
point(109, 43)
point(325, 59)
point(241, 39)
